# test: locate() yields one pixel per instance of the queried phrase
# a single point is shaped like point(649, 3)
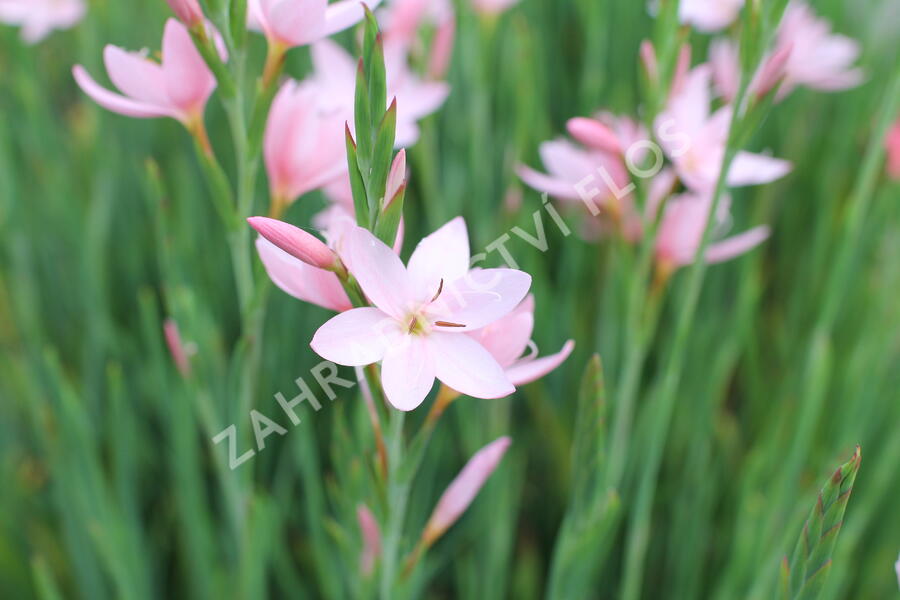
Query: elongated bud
point(462, 490)
point(594, 134)
point(442, 49)
point(187, 11)
point(892, 145)
point(681, 67)
point(773, 70)
point(176, 347)
point(648, 58)
point(396, 177)
point(371, 539)
point(295, 242)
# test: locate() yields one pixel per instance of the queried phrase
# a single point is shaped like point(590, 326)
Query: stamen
point(412, 325)
point(448, 324)
point(440, 289)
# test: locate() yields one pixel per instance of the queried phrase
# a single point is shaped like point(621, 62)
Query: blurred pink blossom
point(177, 88)
point(806, 53)
point(508, 338)
point(402, 20)
point(462, 490)
point(335, 74)
point(38, 18)
point(304, 146)
point(420, 315)
point(293, 23)
point(180, 355)
point(681, 231)
point(709, 15)
point(694, 140)
point(187, 11)
point(371, 539)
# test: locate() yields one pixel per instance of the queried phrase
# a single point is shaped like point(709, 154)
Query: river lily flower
point(39, 17)
point(819, 59)
point(179, 87)
point(291, 23)
point(694, 140)
point(492, 7)
point(507, 340)
point(335, 74)
point(303, 147)
point(462, 490)
point(681, 232)
point(420, 316)
point(709, 15)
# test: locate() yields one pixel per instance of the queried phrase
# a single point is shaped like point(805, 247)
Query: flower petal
point(302, 281)
point(753, 169)
point(736, 245)
point(407, 372)
point(507, 338)
point(480, 298)
point(442, 255)
point(116, 102)
point(345, 13)
point(380, 274)
point(360, 336)
point(464, 365)
point(136, 76)
point(527, 371)
point(558, 188)
point(188, 80)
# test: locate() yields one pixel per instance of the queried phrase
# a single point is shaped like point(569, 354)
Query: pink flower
point(806, 53)
point(462, 490)
point(293, 23)
point(420, 315)
point(180, 355)
point(187, 11)
point(892, 143)
point(492, 7)
point(39, 17)
point(709, 15)
point(335, 74)
point(897, 570)
point(681, 232)
point(371, 539)
point(295, 242)
point(507, 340)
point(177, 88)
point(304, 147)
point(402, 20)
point(819, 59)
point(695, 141)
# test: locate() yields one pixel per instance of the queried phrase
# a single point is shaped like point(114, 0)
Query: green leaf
point(389, 220)
point(363, 120)
point(357, 186)
point(381, 161)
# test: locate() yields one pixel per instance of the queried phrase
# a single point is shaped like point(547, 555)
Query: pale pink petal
point(136, 76)
point(464, 365)
point(443, 255)
point(558, 188)
point(480, 298)
point(507, 338)
point(295, 22)
point(345, 13)
point(526, 371)
point(380, 274)
point(462, 490)
point(189, 81)
point(358, 337)
point(736, 245)
point(407, 371)
point(116, 102)
point(594, 134)
point(295, 277)
point(753, 169)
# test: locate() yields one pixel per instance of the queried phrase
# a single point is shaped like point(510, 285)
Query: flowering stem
point(397, 497)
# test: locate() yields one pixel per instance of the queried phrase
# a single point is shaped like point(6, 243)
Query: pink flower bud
point(295, 242)
point(442, 49)
point(462, 490)
point(893, 150)
point(371, 539)
point(594, 134)
point(176, 347)
point(396, 177)
point(187, 11)
point(773, 70)
point(648, 57)
point(681, 67)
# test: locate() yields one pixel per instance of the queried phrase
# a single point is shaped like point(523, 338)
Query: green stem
point(398, 495)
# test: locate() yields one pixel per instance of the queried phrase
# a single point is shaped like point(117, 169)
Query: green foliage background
point(111, 486)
